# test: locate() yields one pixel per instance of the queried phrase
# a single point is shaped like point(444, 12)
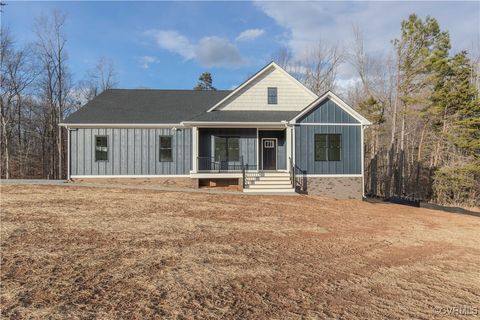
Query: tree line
point(422, 99)
point(37, 92)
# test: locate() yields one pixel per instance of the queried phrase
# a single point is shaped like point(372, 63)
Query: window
point(227, 149)
point(328, 147)
point(166, 149)
point(101, 148)
point(272, 95)
point(269, 144)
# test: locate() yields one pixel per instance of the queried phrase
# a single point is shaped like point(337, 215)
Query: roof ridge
point(153, 89)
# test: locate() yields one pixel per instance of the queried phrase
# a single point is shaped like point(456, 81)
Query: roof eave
point(120, 125)
point(236, 124)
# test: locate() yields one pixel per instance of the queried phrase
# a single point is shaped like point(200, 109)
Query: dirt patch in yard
point(80, 252)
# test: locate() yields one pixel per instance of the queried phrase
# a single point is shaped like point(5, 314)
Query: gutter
point(282, 123)
point(120, 125)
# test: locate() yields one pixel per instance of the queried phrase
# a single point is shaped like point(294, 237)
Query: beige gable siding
point(290, 96)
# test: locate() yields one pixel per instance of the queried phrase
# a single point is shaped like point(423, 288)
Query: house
point(271, 134)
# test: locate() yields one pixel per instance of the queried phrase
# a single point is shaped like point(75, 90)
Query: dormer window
point(272, 95)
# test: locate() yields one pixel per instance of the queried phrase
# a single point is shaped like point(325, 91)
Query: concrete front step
point(271, 174)
point(269, 182)
point(278, 178)
point(269, 186)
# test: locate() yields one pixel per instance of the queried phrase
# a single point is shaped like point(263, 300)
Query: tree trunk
point(419, 161)
point(436, 157)
point(401, 165)
point(6, 147)
point(391, 152)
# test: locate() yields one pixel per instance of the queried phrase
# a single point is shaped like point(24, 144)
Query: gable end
point(332, 113)
point(252, 95)
point(327, 112)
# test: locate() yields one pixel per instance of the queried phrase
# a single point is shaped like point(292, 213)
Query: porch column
point(68, 152)
point(194, 149)
point(288, 139)
point(259, 149)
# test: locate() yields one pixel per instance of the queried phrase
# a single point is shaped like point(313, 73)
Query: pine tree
point(420, 48)
point(205, 82)
point(457, 180)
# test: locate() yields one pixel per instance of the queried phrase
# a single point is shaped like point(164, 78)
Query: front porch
point(230, 150)
point(256, 157)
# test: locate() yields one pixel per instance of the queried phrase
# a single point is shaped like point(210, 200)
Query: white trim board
point(214, 175)
point(362, 151)
point(221, 124)
point(330, 95)
point(120, 125)
point(327, 124)
point(334, 175)
point(130, 176)
point(255, 76)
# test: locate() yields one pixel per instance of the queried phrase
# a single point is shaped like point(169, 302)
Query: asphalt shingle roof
point(146, 106)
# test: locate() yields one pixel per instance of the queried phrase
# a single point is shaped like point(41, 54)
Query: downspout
point(68, 152)
point(363, 160)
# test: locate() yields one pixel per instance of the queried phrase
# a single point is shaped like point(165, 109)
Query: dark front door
point(269, 154)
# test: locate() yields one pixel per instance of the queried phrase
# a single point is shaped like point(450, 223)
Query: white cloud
point(209, 51)
point(307, 23)
point(146, 61)
point(250, 34)
point(173, 41)
point(218, 52)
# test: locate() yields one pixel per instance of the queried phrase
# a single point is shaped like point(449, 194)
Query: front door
point(269, 154)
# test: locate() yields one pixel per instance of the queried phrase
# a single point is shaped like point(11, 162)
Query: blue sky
point(168, 44)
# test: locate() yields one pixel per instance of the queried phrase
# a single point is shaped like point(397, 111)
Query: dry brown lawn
point(82, 252)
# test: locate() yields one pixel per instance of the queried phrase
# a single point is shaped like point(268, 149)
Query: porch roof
point(245, 116)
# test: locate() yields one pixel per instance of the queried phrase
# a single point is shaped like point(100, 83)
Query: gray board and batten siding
point(351, 156)
point(131, 151)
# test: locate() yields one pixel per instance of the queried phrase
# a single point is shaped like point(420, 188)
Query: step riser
point(269, 186)
point(261, 182)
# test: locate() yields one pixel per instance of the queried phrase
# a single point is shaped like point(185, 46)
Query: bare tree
point(321, 64)
point(6, 102)
point(283, 57)
point(17, 73)
point(100, 78)
point(55, 83)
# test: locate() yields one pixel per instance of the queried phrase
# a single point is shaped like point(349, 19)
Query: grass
point(80, 252)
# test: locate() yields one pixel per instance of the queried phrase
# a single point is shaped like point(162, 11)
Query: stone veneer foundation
point(335, 187)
